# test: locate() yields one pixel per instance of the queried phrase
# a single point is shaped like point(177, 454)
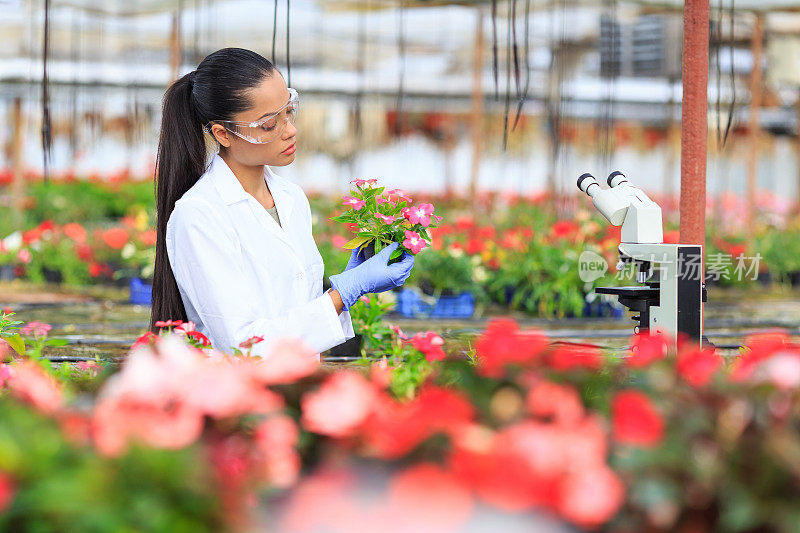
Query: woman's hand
point(373, 275)
point(356, 258)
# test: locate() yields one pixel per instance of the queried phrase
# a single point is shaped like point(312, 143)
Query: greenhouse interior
point(418, 265)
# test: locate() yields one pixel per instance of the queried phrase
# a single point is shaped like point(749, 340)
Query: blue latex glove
point(356, 258)
point(373, 275)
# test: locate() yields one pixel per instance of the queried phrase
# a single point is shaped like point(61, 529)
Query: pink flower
point(168, 323)
point(381, 373)
point(339, 406)
point(355, 203)
point(399, 331)
point(420, 214)
point(31, 384)
point(338, 241)
point(247, 344)
point(429, 343)
point(37, 329)
point(361, 183)
point(285, 361)
point(385, 218)
point(6, 371)
point(276, 439)
point(399, 194)
point(24, 255)
point(591, 497)
point(414, 242)
point(381, 200)
point(90, 366)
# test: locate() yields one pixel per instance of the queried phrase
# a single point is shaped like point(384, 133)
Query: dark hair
point(216, 90)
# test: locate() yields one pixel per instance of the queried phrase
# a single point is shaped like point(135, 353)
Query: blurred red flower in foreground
point(6, 491)
point(429, 343)
point(504, 344)
point(115, 238)
point(696, 365)
point(635, 420)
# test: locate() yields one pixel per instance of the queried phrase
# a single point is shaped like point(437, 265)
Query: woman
point(234, 251)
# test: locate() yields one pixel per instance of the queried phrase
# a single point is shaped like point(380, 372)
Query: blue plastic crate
point(410, 304)
point(141, 292)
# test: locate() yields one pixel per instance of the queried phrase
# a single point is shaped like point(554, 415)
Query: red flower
point(502, 344)
point(647, 349)
point(696, 366)
point(148, 237)
point(559, 402)
point(168, 323)
point(75, 231)
point(145, 340)
point(564, 229)
point(247, 344)
point(204, 341)
point(571, 356)
point(7, 491)
point(115, 238)
point(635, 420)
point(429, 343)
point(761, 346)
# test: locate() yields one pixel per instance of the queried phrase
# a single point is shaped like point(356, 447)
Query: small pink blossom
point(355, 203)
point(420, 214)
point(247, 344)
point(365, 299)
point(90, 366)
point(380, 373)
point(276, 439)
point(338, 241)
point(339, 406)
point(399, 194)
point(361, 183)
point(399, 331)
point(37, 329)
point(168, 323)
point(285, 361)
point(414, 242)
point(386, 219)
point(429, 343)
point(381, 200)
point(24, 255)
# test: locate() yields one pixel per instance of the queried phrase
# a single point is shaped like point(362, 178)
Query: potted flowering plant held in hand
point(381, 218)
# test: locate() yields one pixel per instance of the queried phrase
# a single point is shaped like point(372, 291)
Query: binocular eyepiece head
point(587, 180)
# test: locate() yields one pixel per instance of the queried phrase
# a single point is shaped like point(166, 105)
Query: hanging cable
point(47, 135)
point(494, 49)
point(509, 53)
point(733, 80)
point(401, 44)
point(288, 61)
point(526, 86)
point(274, 29)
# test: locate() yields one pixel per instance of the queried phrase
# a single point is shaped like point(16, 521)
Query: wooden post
point(477, 107)
point(694, 125)
point(754, 129)
point(17, 162)
point(175, 45)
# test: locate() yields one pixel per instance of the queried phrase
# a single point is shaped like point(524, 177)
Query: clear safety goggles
point(266, 129)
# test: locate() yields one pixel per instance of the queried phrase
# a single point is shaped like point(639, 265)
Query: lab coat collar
point(231, 190)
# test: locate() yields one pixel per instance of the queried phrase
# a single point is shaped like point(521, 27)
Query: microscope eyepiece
point(615, 178)
point(586, 181)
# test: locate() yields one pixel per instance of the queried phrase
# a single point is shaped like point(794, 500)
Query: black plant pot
point(765, 278)
point(794, 279)
point(52, 275)
point(7, 272)
point(351, 349)
point(368, 250)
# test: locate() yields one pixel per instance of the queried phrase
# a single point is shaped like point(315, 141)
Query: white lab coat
point(241, 274)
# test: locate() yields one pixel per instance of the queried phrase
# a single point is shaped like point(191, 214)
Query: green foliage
point(85, 201)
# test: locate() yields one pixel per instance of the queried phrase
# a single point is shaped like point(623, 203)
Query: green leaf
point(17, 343)
point(57, 342)
point(357, 242)
point(397, 253)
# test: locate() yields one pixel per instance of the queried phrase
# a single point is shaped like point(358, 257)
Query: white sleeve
point(206, 262)
point(344, 316)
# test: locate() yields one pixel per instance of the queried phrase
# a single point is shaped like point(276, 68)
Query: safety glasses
point(266, 129)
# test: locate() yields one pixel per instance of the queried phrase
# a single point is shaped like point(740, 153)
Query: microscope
point(671, 290)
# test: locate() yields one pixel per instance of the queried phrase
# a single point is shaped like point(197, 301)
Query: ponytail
point(215, 91)
point(180, 162)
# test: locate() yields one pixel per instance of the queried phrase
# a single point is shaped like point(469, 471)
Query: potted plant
point(380, 219)
point(446, 285)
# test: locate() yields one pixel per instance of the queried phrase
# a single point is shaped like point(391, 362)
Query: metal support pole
point(754, 129)
point(694, 128)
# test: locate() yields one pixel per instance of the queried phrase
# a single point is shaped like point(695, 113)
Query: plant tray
point(410, 304)
point(141, 292)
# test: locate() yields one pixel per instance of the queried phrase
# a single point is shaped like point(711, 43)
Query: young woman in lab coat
point(234, 248)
